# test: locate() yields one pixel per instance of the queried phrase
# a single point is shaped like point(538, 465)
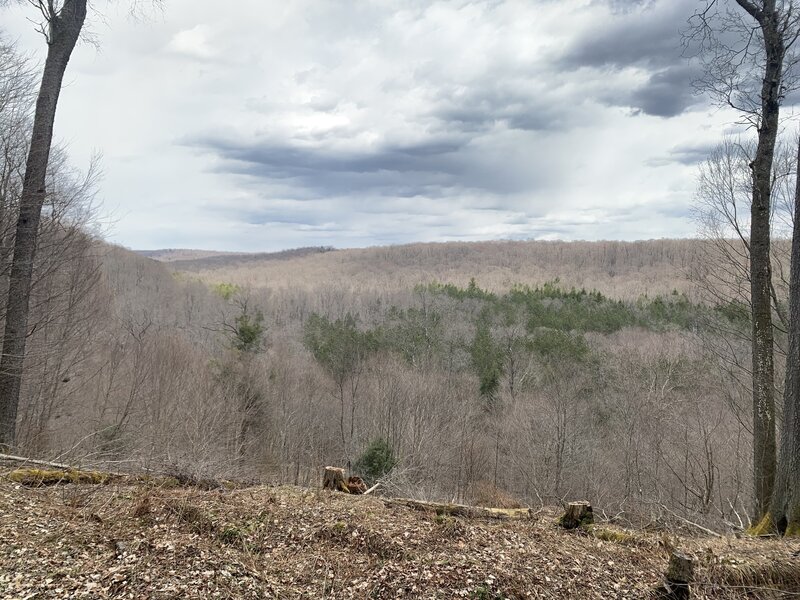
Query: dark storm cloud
point(323, 171)
point(667, 93)
point(489, 102)
point(646, 34)
point(431, 168)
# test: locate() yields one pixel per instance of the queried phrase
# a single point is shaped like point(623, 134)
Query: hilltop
point(619, 269)
point(130, 540)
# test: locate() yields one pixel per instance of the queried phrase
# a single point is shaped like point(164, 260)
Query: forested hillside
point(499, 393)
point(621, 269)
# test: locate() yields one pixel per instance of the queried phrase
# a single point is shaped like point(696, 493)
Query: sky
point(269, 124)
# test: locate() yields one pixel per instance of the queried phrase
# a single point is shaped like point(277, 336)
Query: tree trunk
point(577, 515)
point(760, 267)
point(64, 30)
point(786, 499)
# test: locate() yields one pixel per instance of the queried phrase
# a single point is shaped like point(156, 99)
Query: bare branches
point(728, 41)
point(751, 8)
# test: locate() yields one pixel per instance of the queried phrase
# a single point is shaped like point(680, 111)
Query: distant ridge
point(623, 270)
point(195, 260)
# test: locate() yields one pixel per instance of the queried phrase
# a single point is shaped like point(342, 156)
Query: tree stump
point(680, 574)
point(578, 514)
point(356, 485)
point(334, 479)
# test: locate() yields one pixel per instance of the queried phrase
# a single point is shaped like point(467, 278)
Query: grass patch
point(763, 528)
point(192, 516)
point(615, 536)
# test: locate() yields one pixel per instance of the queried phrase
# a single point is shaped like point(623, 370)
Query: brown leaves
point(293, 543)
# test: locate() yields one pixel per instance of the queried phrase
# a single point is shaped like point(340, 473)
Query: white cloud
point(281, 124)
point(193, 43)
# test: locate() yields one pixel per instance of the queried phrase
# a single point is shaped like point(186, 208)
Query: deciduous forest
point(524, 389)
point(643, 395)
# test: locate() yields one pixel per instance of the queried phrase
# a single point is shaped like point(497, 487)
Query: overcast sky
point(275, 124)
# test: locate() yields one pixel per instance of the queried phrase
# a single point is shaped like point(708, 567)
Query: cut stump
point(578, 514)
point(334, 479)
point(680, 574)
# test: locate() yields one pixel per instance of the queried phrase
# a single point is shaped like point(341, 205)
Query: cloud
point(639, 33)
point(368, 122)
point(193, 43)
point(434, 167)
point(645, 36)
point(667, 93)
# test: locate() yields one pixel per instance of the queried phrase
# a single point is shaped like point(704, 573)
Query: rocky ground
point(140, 540)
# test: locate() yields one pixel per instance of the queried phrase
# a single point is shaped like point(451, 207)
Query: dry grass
point(138, 541)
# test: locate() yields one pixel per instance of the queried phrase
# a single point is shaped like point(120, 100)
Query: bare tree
point(786, 500)
point(17, 92)
point(64, 22)
point(722, 272)
point(748, 49)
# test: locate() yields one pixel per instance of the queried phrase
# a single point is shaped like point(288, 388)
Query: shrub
point(376, 461)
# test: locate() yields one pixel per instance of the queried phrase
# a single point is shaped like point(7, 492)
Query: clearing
point(137, 540)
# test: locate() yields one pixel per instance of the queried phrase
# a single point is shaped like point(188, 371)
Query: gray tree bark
point(786, 499)
point(764, 459)
point(64, 28)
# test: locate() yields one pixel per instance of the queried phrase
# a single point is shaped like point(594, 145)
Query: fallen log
point(32, 461)
point(44, 477)
point(373, 488)
point(461, 510)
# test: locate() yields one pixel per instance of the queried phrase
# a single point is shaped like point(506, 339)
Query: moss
point(611, 535)
point(793, 530)
point(793, 526)
point(764, 527)
point(42, 477)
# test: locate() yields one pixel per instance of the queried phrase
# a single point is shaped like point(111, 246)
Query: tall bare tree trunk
point(786, 499)
point(760, 268)
point(64, 28)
